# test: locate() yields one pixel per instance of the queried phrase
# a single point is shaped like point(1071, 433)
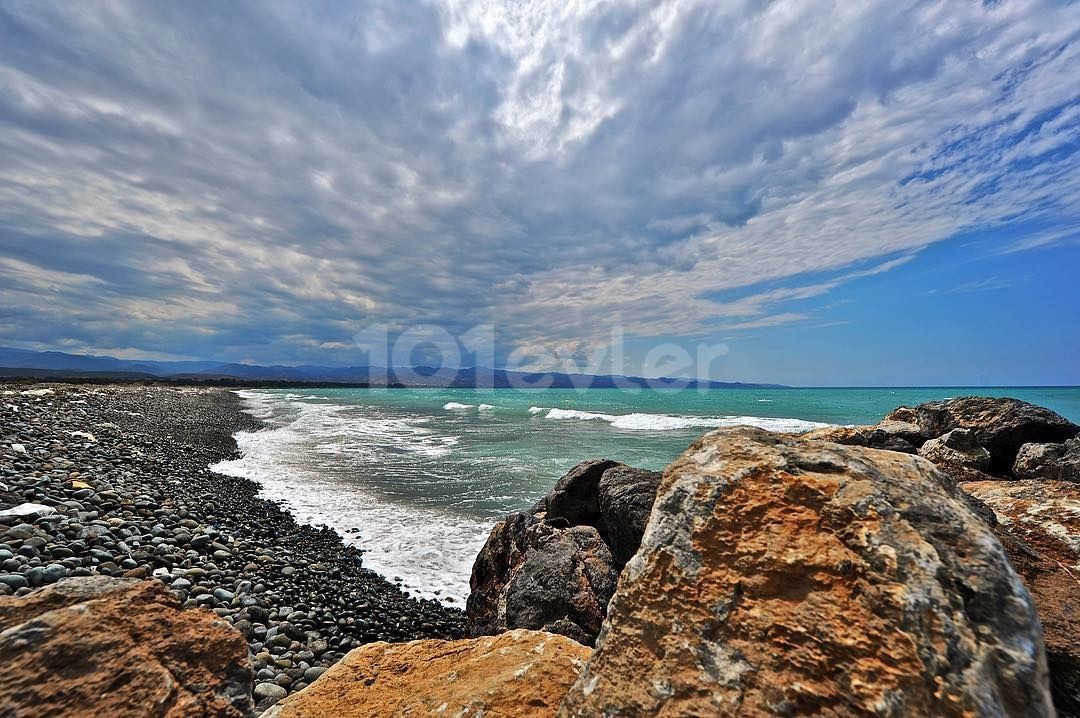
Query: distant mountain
point(21, 362)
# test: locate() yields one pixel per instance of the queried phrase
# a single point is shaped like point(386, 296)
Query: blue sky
point(837, 193)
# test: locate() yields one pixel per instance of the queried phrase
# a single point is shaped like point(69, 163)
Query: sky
point(818, 193)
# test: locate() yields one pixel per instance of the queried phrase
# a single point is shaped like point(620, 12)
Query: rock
point(1001, 426)
point(574, 497)
point(37, 392)
point(783, 576)
point(267, 694)
point(531, 574)
point(554, 568)
point(18, 448)
point(959, 446)
point(515, 674)
point(1039, 525)
point(1055, 462)
point(14, 580)
point(26, 512)
point(118, 647)
point(626, 497)
point(892, 435)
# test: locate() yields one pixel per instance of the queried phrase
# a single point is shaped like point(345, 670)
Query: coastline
point(124, 473)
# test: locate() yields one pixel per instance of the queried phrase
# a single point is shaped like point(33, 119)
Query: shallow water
point(418, 477)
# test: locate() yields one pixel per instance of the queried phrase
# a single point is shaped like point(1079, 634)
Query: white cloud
point(282, 170)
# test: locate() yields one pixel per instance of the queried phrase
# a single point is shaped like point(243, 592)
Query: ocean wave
point(455, 406)
point(297, 460)
point(486, 407)
point(667, 422)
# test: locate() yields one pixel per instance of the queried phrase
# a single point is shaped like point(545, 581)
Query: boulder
point(626, 498)
point(574, 497)
point(1039, 525)
point(960, 447)
point(1002, 426)
point(531, 574)
point(518, 673)
point(118, 647)
point(891, 435)
point(1056, 462)
point(793, 577)
point(554, 568)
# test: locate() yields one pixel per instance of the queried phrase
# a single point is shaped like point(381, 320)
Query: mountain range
point(61, 365)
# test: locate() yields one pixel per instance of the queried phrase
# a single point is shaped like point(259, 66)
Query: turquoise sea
point(417, 477)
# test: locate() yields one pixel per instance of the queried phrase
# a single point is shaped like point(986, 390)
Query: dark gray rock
point(554, 568)
point(626, 496)
point(564, 583)
point(574, 497)
point(1001, 426)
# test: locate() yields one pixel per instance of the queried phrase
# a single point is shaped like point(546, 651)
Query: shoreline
point(133, 496)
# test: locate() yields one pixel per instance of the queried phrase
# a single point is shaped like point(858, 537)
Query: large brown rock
point(554, 567)
point(793, 577)
point(100, 646)
point(1002, 426)
point(519, 674)
point(1039, 525)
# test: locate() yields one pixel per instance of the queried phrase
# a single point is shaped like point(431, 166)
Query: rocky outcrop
point(1039, 525)
point(99, 646)
point(1001, 426)
point(554, 568)
point(892, 435)
point(1055, 462)
point(785, 576)
point(515, 674)
point(971, 438)
point(960, 447)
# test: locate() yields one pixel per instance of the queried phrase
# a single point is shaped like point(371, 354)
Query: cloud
point(983, 285)
point(232, 178)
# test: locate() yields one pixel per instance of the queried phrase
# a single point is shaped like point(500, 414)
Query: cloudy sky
point(838, 192)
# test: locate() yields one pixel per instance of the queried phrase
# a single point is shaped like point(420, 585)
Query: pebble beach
point(114, 480)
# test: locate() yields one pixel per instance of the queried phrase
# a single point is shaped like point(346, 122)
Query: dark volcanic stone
point(574, 497)
point(626, 496)
point(1002, 426)
point(555, 568)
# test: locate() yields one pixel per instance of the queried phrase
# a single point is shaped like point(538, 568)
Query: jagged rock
point(959, 446)
point(531, 574)
point(892, 435)
point(793, 577)
point(626, 498)
point(515, 674)
point(1039, 525)
point(1002, 426)
point(574, 497)
point(99, 646)
point(1056, 462)
point(554, 568)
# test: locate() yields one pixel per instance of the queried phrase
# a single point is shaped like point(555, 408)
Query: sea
point(416, 478)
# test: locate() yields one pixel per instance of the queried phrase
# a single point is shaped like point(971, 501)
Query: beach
point(120, 479)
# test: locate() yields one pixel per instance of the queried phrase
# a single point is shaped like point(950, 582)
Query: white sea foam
point(432, 550)
point(486, 407)
point(667, 422)
point(455, 406)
